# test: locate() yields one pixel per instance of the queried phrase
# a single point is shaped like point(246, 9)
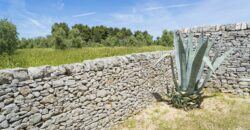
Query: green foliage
point(63, 26)
point(110, 41)
point(8, 37)
point(38, 42)
point(75, 39)
point(84, 36)
point(48, 56)
point(58, 39)
point(190, 65)
point(166, 39)
point(85, 32)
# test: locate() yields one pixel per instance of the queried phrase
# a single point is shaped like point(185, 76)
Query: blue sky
point(35, 17)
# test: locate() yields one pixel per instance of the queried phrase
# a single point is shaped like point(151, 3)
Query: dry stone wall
point(94, 94)
point(233, 75)
point(99, 93)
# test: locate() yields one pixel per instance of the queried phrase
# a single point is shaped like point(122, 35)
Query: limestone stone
point(83, 88)
point(46, 117)
point(35, 72)
point(244, 83)
point(70, 82)
point(51, 90)
point(25, 90)
point(49, 99)
point(21, 74)
point(35, 118)
point(241, 69)
point(92, 97)
point(101, 93)
point(36, 94)
point(5, 77)
point(45, 111)
point(58, 83)
point(4, 124)
point(243, 26)
point(8, 101)
point(2, 117)
point(248, 25)
point(38, 88)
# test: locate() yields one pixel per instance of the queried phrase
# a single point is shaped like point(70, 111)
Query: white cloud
point(128, 18)
point(35, 22)
point(166, 7)
point(84, 14)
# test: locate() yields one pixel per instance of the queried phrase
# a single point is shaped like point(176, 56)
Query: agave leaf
point(181, 60)
point(177, 59)
point(190, 56)
point(216, 64)
point(209, 47)
point(161, 58)
point(200, 43)
point(220, 59)
point(173, 73)
point(186, 50)
point(196, 64)
point(190, 45)
point(190, 48)
point(201, 37)
point(202, 64)
point(208, 62)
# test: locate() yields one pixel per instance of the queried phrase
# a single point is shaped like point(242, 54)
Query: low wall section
point(90, 95)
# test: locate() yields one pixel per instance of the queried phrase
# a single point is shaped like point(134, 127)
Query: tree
point(157, 41)
point(80, 35)
point(85, 31)
point(25, 43)
point(64, 26)
point(99, 33)
point(148, 38)
point(167, 38)
point(141, 39)
point(8, 37)
point(58, 39)
point(110, 41)
point(124, 33)
point(131, 41)
point(75, 38)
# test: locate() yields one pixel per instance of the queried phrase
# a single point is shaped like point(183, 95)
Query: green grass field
point(37, 57)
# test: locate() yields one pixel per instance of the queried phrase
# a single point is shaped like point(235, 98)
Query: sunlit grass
point(220, 112)
point(40, 56)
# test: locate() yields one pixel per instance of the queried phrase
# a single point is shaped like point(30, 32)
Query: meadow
point(47, 56)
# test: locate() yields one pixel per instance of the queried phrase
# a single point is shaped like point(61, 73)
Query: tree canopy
point(79, 35)
point(8, 37)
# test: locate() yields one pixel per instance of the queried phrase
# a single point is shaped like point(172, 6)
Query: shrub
point(8, 37)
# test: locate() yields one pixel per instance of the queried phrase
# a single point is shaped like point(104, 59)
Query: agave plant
point(190, 65)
